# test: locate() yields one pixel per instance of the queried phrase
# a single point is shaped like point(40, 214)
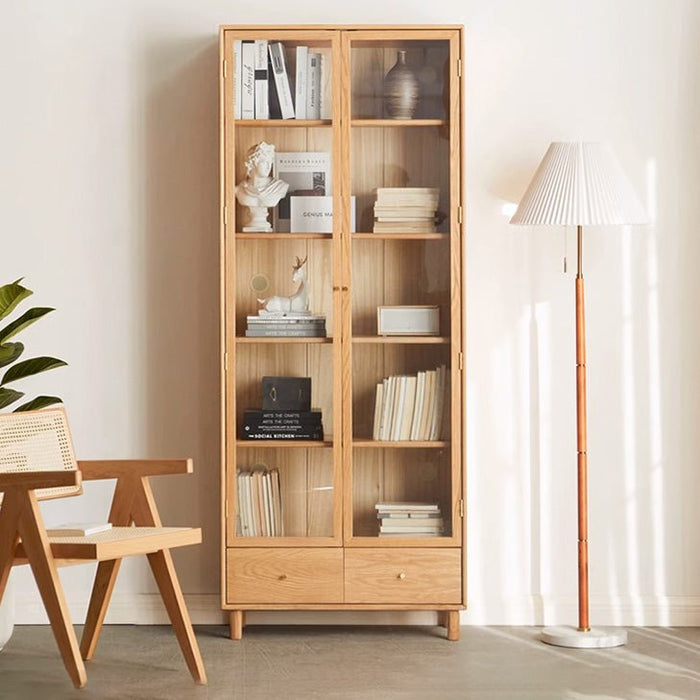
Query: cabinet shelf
point(258, 444)
point(398, 122)
point(402, 339)
point(284, 123)
point(282, 339)
point(400, 236)
point(274, 235)
point(400, 444)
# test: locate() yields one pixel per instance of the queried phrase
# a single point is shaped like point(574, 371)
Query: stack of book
point(397, 519)
point(273, 83)
point(282, 425)
point(259, 503)
point(277, 324)
point(406, 209)
point(411, 407)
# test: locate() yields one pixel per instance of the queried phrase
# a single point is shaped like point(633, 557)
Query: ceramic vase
point(400, 90)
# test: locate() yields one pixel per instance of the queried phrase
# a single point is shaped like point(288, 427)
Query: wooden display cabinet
point(331, 555)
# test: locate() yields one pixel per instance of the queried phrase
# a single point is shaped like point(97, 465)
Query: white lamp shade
point(579, 184)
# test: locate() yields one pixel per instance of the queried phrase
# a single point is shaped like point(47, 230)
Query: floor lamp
point(580, 184)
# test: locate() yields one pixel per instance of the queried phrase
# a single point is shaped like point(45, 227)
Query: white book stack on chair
point(77, 529)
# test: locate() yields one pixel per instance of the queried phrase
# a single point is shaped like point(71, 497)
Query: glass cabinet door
point(403, 264)
point(280, 304)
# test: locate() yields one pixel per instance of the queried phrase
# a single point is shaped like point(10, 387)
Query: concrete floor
point(378, 663)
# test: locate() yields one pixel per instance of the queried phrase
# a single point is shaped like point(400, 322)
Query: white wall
point(108, 199)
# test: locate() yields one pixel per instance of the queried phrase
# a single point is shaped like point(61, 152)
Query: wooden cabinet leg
point(453, 625)
point(442, 618)
point(236, 624)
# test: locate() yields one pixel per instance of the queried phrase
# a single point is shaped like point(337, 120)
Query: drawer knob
point(282, 577)
point(401, 576)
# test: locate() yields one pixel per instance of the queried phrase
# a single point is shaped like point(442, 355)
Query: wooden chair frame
point(23, 539)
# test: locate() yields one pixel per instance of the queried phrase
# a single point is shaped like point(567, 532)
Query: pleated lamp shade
point(579, 184)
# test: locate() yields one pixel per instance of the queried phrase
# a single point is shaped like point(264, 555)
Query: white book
point(407, 410)
point(308, 173)
point(279, 70)
point(277, 499)
point(399, 398)
point(409, 506)
point(377, 410)
point(240, 499)
point(313, 86)
point(77, 529)
point(269, 516)
point(426, 418)
point(418, 405)
point(262, 104)
point(300, 85)
point(237, 79)
point(247, 79)
point(326, 82)
point(389, 386)
point(315, 214)
point(436, 427)
point(252, 532)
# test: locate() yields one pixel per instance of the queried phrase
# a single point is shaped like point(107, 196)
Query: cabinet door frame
point(385, 36)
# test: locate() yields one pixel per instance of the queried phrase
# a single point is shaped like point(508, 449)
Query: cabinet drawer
point(403, 575)
point(294, 575)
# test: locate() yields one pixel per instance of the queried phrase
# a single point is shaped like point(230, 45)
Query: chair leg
point(164, 573)
point(9, 517)
point(99, 601)
point(38, 551)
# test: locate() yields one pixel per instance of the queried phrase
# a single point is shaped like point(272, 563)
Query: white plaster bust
point(259, 190)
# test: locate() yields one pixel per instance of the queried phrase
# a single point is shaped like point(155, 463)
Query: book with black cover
point(286, 393)
point(253, 417)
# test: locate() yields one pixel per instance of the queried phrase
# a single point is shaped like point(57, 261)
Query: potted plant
point(13, 369)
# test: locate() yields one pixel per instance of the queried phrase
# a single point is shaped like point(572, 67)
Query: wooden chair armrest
point(115, 468)
point(39, 480)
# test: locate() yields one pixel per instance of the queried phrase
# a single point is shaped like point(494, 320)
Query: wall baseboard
point(628, 611)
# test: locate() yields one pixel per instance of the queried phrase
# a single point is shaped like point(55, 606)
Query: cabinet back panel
point(275, 259)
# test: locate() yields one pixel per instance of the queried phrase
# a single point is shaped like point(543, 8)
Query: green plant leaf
point(8, 396)
point(37, 403)
point(10, 296)
point(27, 368)
point(9, 352)
point(26, 319)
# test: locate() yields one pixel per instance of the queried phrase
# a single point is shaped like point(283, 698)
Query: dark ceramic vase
point(400, 90)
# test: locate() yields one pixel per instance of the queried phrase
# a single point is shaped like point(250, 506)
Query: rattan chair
point(37, 462)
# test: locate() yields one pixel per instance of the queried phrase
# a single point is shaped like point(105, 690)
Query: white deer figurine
point(299, 301)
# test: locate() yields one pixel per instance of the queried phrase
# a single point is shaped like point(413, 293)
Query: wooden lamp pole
point(583, 624)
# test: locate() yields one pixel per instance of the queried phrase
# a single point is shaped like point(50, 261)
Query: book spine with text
point(300, 87)
point(247, 79)
point(279, 70)
point(237, 79)
point(262, 105)
point(313, 86)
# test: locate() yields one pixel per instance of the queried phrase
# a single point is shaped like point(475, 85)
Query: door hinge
point(461, 507)
point(225, 216)
point(225, 69)
point(226, 362)
point(459, 214)
point(459, 67)
point(460, 358)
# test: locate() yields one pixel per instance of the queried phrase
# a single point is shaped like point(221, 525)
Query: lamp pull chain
point(566, 241)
